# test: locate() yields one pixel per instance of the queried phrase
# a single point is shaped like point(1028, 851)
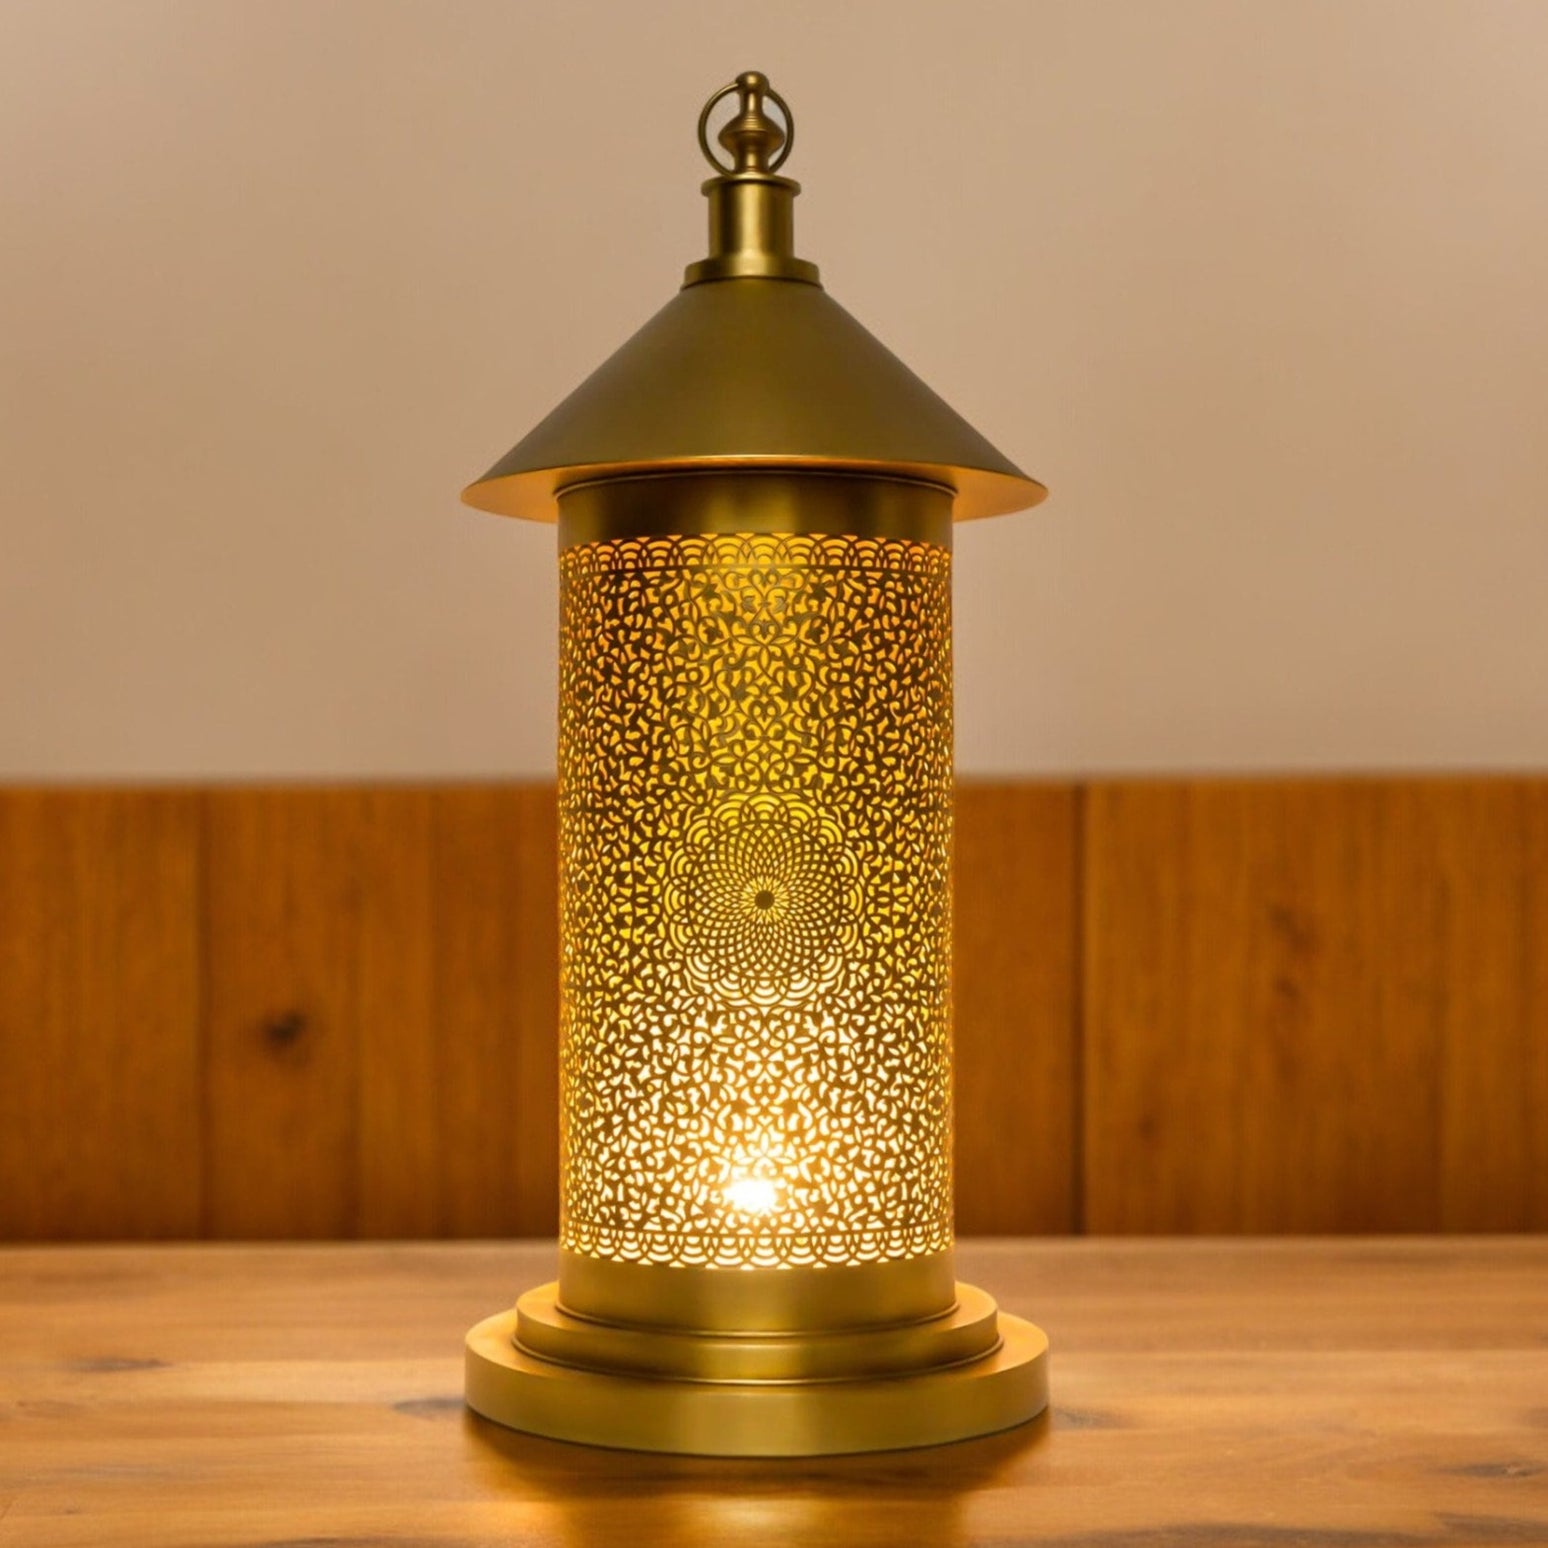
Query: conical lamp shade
point(764, 372)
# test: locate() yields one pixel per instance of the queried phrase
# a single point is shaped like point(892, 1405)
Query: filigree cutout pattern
point(755, 809)
point(763, 901)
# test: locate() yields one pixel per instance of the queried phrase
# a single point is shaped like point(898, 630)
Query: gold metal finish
point(788, 500)
point(752, 365)
point(755, 502)
point(752, 373)
point(755, 820)
point(966, 1330)
point(761, 1418)
point(785, 1300)
point(751, 210)
point(755, 142)
point(752, 232)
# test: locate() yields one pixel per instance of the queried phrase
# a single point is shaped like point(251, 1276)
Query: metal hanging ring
point(778, 101)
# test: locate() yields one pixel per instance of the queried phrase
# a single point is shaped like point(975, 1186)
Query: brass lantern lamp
point(755, 504)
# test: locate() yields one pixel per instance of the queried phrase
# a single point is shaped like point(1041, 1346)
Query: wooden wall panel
point(318, 967)
point(495, 933)
point(1493, 984)
point(1015, 971)
point(99, 1014)
point(1294, 990)
point(383, 1008)
point(390, 898)
point(1182, 1006)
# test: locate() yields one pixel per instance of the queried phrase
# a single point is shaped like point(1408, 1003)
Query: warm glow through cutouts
point(755, 807)
point(753, 1195)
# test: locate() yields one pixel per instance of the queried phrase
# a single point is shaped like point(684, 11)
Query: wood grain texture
point(320, 1109)
point(1360, 1393)
point(1494, 1079)
point(1016, 1032)
point(1313, 1005)
point(495, 935)
point(1204, 1005)
point(382, 989)
point(100, 1119)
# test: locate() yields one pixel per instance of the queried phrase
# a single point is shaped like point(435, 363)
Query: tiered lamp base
point(969, 1372)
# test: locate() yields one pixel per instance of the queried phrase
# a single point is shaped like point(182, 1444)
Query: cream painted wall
point(1259, 289)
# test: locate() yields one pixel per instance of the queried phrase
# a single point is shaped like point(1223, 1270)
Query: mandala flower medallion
point(763, 900)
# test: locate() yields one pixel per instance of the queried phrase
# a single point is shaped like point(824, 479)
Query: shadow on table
point(598, 1497)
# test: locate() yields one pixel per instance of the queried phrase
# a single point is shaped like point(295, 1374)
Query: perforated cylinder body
point(755, 782)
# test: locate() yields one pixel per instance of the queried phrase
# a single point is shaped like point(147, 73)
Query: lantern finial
point(752, 138)
point(751, 207)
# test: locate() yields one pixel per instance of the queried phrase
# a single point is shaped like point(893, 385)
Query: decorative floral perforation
point(755, 814)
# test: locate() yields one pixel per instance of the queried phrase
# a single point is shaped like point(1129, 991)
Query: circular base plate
point(1005, 1387)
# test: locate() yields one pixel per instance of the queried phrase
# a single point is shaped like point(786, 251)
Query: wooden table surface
point(1246, 1393)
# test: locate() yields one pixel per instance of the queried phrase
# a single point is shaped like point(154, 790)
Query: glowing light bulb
point(753, 1195)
